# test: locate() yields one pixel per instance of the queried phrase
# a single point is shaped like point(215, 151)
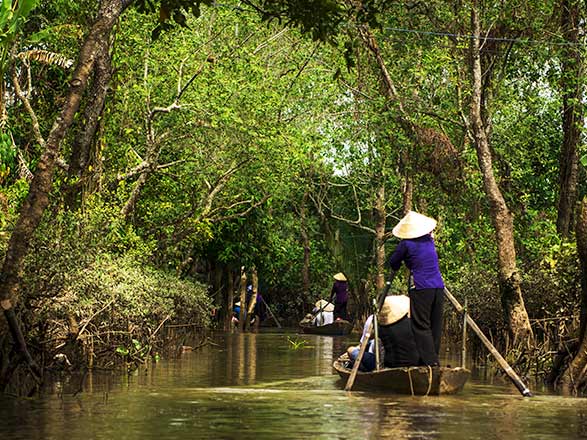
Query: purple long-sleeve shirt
point(340, 291)
point(419, 255)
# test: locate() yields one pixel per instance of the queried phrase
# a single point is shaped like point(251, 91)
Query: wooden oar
point(522, 388)
point(376, 331)
point(320, 311)
point(380, 300)
point(269, 308)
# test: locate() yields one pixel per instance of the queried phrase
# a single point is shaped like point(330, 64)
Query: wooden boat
point(337, 328)
point(421, 381)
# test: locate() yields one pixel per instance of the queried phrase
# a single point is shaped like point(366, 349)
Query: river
point(259, 386)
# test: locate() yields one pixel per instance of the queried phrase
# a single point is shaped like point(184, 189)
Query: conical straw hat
point(414, 225)
point(340, 277)
point(324, 305)
point(394, 308)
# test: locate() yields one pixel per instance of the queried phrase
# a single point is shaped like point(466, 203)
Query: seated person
point(395, 331)
point(368, 361)
point(308, 320)
point(324, 313)
point(395, 334)
point(236, 310)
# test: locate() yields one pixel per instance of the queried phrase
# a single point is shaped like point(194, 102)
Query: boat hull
point(418, 381)
point(337, 328)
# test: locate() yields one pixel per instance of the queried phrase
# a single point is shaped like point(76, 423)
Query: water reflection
point(257, 386)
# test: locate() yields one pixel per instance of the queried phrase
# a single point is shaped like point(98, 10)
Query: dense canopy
point(149, 150)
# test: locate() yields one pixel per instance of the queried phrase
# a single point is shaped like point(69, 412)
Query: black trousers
point(340, 310)
point(426, 310)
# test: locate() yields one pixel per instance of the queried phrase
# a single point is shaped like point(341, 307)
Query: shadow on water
point(258, 386)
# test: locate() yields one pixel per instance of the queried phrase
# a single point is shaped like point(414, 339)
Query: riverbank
point(102, 312)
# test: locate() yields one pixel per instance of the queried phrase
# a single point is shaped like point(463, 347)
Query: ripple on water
point(255, 387)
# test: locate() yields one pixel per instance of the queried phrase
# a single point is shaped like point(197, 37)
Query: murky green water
point(257, 387)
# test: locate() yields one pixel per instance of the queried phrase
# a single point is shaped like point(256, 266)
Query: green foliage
point(12, 17)
point(80, 269)
point(318, 18)
point(7, 155)
point(296, 343)
point(11, 198)
point(272, 122)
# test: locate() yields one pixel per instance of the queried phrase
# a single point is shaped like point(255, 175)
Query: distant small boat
point(337, 328)
point(420, 381)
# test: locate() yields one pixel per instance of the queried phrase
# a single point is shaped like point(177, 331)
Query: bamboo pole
point(376, 326)
point(464, 342)
point(522, 388)
point(270, 312)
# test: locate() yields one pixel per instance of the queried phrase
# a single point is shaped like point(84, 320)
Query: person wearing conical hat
point(395, 332)
point(339, 295)
point(418, 252)
point(324, 313)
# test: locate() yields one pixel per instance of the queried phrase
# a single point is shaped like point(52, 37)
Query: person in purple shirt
point(418, 253)
point(339, 296)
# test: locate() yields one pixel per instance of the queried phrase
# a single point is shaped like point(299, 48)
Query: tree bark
point(502, 218)
point(575, 376)
point(581, 236)
point(85, 140)
point(253, 302)
point(229, 299)
point(243, 298)
point(572, 113)
point(407, 194)
point(38, 197)
point(306, 246)
point(131, 202)
point(380, 216)
point(218, 287)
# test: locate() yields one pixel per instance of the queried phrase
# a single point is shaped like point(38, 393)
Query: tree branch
point(217, 187)
point(241, 214)
point(27, 105)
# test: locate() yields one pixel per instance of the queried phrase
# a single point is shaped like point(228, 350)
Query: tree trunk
point(253, 302)
point(407, 194)
point(572, 111)
point(362, 307)
point(575, 376)
point(217, 289)
point(85, 140)
point(581, 235)
point(38, 197)
point(131, 202)
point(243, 300)
point(229, 299)
point(306, 246)
point(380, 216)
point(502, 218)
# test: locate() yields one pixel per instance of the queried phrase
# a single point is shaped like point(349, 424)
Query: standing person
point(340, 296)
point(418, 252)
point(260, 311)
